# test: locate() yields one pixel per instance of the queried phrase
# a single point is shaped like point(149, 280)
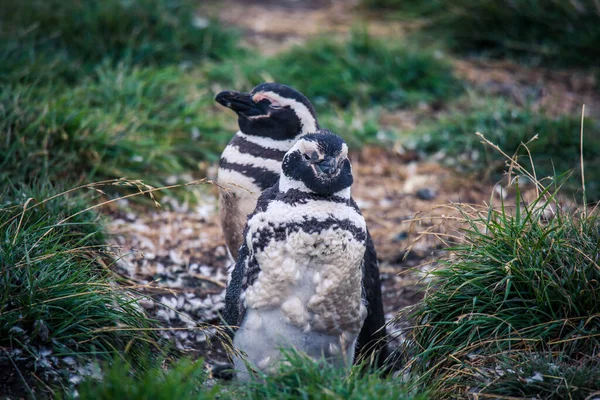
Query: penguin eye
point(306, 157)
point(275, 105)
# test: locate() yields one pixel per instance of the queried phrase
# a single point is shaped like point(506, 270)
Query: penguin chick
point(271, 119)
point(297, 282)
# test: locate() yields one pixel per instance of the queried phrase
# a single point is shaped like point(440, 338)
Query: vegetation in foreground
point(59, 304)
point(539, 32)
point(513, 310)
point(299, 378)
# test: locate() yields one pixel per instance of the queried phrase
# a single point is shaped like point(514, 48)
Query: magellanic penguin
point(297, 282)
point(271, 118)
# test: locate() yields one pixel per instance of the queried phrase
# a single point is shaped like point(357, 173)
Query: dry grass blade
point(150, 190)
point(581, 161)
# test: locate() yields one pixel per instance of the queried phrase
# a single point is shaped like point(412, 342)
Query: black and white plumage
point(272, 117)
point(298, 278)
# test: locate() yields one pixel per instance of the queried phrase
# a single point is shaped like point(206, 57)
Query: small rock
point(400, 236)
point(146, 303)
point(206, 270)
point(175, 258)
point(162, 315)
point(180, 302)
point(201, 338)
point(69, 361)
point(45, 352)
point(75, 379)
point(426, 194)
point(537, 377)
point(41, 330)
point(16, 330)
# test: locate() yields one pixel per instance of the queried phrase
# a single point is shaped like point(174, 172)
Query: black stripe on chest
point(262, 177)
point(263, 236)
point(295, 196)
point(247, 147)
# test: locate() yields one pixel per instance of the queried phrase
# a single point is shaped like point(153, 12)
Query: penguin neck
point(290, 185)
point(263, 126)
point(270, 143)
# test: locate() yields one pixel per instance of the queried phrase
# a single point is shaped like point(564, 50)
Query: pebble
point(426, 194)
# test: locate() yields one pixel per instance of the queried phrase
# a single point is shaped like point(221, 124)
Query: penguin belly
point(308, 296)
point(235, 204)
point(264, 334)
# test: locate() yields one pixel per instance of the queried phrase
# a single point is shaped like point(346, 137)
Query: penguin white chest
point(308, 293)
point(313, 277)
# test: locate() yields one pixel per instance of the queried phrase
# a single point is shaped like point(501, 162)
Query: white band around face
point(309, 124)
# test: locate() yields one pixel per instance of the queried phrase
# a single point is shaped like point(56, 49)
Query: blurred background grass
point(539, 32)
point(93, 90)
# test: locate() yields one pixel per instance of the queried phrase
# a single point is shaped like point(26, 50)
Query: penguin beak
point(328, 166)
point(239, 102)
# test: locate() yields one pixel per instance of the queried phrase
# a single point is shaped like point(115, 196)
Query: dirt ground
point(180, 254)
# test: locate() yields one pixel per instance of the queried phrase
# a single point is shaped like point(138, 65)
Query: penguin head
point(271, 110)
point(318, 163)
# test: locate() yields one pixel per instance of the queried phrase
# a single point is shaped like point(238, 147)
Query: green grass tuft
point(358, 127)
point(541, 32)
point(362, 70)
point(409, 8)
point(135, 123)
point(183, 380)
point(531, 375)
point(525, 281)
point(49, 40)
point(298, 378)
point(56, 292)
point(452, 139)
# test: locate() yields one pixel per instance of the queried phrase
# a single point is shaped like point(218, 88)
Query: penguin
point(298, 279)
point(272, 118)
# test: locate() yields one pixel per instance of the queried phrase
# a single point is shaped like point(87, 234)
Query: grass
point(57, 294)
point(101, 90)
point(66, 40)
point(513, 309)
point(363, 70)
point(401, 8)
point(452, 140)
point(183, 380)
point(122, 122)
point(300, 378)
point(531, 375)
point(541, 32)
point(158, 122)
point(95, 90)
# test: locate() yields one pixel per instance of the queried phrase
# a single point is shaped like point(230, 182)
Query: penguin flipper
point(372, 341)
point(234, 307)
